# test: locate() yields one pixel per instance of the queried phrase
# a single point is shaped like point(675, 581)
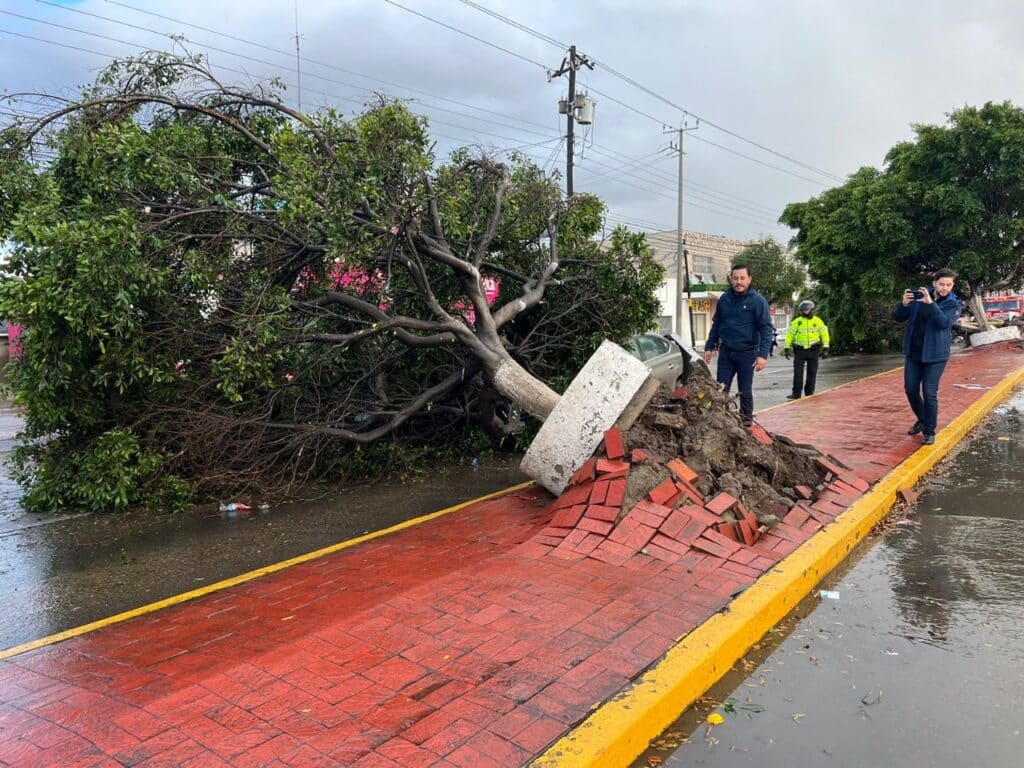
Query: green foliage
point(776, 277)
point(111, 472)
point(950, 198)
point(178, 274)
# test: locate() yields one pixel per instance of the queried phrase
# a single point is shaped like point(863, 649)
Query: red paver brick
point(599, 527)
point(662, 492)
point(721, 503)
point(616, 492)
point(796, 516)
point(568, 516)
point(613, 447)
point(585, 472)
point(805, 491)
point(605, 513)
point(608, 466)
point(682, 470)
point(599, 492)
point(638, 455)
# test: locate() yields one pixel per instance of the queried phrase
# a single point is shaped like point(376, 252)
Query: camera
point(917, 293)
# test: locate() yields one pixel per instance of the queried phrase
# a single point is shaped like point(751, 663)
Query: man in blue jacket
point(929, 315)
point(742, 333)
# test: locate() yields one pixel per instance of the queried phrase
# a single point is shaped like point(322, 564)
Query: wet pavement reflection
point(919, 660)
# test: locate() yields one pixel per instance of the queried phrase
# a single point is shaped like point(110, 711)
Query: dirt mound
point(688, 476)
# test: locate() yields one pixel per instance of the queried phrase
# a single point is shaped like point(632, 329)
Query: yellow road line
point(249, 576)
point(615, 733)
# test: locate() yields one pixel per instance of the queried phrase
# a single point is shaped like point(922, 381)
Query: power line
point(641, 87)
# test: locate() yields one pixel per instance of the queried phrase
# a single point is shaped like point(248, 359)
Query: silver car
point(661, 355)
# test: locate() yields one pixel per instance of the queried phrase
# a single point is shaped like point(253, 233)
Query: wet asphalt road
point(920, 661)
point(61, 571)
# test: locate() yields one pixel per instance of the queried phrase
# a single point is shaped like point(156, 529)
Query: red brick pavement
point(451, 643)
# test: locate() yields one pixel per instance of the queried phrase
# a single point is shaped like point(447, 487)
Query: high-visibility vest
point(806, 332)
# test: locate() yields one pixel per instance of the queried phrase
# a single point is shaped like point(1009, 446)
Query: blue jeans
point(739, 364)
point(921, 383)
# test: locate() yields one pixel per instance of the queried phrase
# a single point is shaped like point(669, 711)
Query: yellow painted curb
point(621, 729)
point(249, 576)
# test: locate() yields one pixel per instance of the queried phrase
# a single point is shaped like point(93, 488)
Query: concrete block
point(590, 406)
point(1006, 333)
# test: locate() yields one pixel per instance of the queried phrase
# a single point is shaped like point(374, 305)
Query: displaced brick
point(721, 503)
point(613, 447)
point(681, 470)
point(585, 472)
point(760, 434)
point(605, 466)
point(663, 492)
point(638, 455)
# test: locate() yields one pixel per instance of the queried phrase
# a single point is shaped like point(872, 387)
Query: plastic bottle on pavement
point(234, 506)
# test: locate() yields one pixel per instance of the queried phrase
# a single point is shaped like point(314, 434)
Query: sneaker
point(792, 397)
point(928, 440)
point(918, 426)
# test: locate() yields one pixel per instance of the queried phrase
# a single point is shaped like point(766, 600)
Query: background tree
point(952, 197)
point(778, 278)
point(219, 290)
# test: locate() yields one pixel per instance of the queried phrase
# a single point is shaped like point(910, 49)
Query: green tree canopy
point(951, 197)
point(219, 290)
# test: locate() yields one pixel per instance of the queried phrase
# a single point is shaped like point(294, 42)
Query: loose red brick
point(760, 434)
point(585, 472)
point(681, 470)
point(638, 455)
point(605, 466)
point(662, 492)
point(748, 531)
point(681, 393)
point(721, 503)
point(613, 447)
point(689, 492)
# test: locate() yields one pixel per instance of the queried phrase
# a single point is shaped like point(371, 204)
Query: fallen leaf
point(798, 718)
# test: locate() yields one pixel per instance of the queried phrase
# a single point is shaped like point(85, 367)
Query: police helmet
point(805, 306)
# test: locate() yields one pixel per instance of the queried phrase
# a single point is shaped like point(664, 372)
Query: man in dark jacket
point(929, 315)
point(742, 333)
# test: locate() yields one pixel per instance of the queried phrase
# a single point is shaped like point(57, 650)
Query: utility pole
point(570, 64)
point(684, 321)
point(298, 58)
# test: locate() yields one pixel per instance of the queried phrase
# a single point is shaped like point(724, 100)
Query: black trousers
point(805, 356)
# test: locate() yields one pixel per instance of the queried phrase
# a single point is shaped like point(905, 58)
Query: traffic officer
point(807, 336)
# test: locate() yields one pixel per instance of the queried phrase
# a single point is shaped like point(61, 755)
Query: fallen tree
point(222, 291)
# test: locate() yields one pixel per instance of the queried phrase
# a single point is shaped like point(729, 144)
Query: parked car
point(663, 356)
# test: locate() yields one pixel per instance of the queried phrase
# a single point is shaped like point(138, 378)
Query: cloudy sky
point(791, 95)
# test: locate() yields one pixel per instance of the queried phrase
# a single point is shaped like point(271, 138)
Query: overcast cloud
point(831, 85)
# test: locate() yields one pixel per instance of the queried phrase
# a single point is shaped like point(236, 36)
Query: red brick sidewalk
point(447, 644)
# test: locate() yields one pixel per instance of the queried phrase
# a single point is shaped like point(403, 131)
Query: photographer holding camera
point(929, 315)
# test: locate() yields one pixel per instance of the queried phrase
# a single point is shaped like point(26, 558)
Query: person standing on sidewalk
point(807, 339)
point(929, 315)
point(741, 333)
